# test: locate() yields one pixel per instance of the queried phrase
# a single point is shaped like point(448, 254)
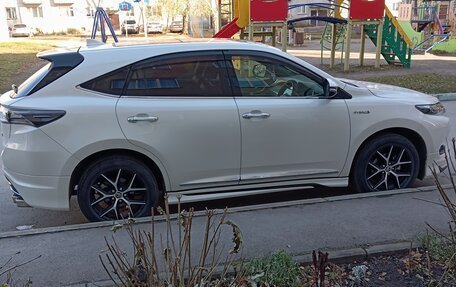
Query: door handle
point(142, 118)
point(256, 115)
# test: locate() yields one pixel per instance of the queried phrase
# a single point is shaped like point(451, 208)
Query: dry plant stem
point(17, 265)
point(430, 201)
point(446, 269)
point(449, 161)
point(116, 271)
point(188, 247)
point(443, 194)
point(153, 248)
point(438, 233)
point(454, 153)
point(109, 273)
point(170, 230)
point(118, 260)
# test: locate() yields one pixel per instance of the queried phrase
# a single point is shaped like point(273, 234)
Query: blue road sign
point(124, 6)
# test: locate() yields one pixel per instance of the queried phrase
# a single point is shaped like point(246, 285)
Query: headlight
point(431, 109)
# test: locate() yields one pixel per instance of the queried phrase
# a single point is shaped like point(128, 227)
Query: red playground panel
point(268, 10)
point(367, 9)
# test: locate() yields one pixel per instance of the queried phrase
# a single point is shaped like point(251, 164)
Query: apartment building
point(52, 16)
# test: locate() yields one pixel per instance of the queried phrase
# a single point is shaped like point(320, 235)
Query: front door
point(288, 130)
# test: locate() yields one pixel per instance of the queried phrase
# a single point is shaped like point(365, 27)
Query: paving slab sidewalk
point(72, 256)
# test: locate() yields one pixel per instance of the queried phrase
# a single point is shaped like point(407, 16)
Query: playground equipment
point(100, 20)
point(428, 22)
point(333, 36)
point(376, 21)
point(255, 15)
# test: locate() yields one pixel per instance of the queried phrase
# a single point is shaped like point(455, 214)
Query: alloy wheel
point(389, 167)
point(117, 194)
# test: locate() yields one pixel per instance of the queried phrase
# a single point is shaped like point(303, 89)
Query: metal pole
point(363, 44)
point(284, 36)
point(274, 33)
point(333, 45)
point(378, 49)
point(145, 19)
point(347, 45)
point(251, 31)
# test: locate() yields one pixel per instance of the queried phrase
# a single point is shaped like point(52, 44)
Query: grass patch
point(447, 47)
point(426, 83)
point(18, 61)
point(278, 269)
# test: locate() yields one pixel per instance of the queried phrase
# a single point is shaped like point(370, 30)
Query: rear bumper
point(48, 192)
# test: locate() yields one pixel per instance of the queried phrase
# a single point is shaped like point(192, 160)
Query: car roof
point(172, 44)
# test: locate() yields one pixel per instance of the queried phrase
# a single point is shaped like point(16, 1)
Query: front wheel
point(117, 187)
point(387, 162)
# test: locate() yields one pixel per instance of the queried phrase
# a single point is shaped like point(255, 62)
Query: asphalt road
point(12, 217)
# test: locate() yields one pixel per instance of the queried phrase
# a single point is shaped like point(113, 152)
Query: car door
point(288, 130)
point(180, 108)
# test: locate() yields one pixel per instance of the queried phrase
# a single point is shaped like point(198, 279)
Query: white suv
point(120, 126)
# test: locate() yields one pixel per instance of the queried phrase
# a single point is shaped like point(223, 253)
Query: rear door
point(180, 108)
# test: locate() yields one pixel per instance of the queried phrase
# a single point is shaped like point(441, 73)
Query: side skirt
point(252, 189)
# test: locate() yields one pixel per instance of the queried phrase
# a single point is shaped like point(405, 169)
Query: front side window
point(189, 75)
point(256, 76)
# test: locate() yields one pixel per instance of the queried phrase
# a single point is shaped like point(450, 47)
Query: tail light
point(31, 117)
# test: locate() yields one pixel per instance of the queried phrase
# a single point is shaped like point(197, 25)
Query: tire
point(117, 187)
point(389, 161)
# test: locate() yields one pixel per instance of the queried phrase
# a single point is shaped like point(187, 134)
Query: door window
point(192, 75)
point(256, 76)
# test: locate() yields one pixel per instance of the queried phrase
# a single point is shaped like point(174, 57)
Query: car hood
point(390, 91)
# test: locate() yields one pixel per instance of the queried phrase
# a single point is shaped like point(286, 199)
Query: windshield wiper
point(14, 87)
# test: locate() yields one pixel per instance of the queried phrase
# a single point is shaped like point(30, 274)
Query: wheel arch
point(83, 164)
point(415, 138)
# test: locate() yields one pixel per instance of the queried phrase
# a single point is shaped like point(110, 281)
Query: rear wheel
point(117, 187)
point(387, 162)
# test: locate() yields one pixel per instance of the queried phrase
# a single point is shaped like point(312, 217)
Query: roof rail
point(93, 43)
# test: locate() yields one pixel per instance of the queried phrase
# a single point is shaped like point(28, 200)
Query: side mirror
point(330, 92)
point(259, 71)
point(333, 91)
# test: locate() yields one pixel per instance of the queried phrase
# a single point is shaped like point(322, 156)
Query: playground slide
point(411, 33)
point(228, 30)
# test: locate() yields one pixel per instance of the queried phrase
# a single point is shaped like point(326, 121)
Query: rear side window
point(111, 83)
point(60, 64)
point(192, 75)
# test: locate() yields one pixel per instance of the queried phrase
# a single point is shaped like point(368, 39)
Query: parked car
point(21, 30)
point(154, 27)
point(129, 26)
point(120, 126)
point(176, 27)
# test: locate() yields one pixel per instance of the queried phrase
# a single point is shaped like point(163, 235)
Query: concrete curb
point(92, 225)
point(446, 97)
point(339, 255)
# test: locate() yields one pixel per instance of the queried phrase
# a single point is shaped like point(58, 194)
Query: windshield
point(20, 26)
point(31, 82)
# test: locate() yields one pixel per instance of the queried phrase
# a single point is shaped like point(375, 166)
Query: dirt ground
point(429, 63)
